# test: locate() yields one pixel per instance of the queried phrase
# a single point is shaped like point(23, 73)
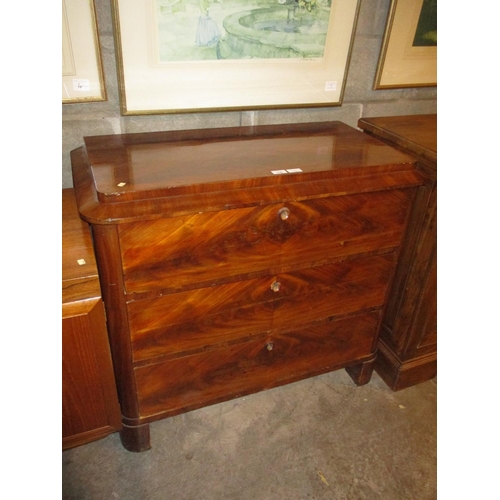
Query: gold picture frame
point(403, 61)
point(150, 83)
point(82, 73)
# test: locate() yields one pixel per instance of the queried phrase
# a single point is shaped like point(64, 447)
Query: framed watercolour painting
point(213, 55)
point(409, 51)
point(82, 75)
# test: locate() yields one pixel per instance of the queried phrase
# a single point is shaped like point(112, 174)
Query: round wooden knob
point(275, 286)
point(284, 213)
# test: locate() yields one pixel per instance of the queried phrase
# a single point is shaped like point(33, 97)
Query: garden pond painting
point(199, 30)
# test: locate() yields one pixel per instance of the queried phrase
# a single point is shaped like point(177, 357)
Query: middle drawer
point(199, 319)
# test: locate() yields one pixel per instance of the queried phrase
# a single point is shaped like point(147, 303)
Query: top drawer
point(202, 248)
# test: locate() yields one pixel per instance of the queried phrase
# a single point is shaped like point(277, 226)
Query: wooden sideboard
point(236, 260)
point(90, 408)
point(408, 340)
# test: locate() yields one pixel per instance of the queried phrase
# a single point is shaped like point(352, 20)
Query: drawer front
point(197, 319)
point(322, 292)
point(204, 248)
point(193, 381)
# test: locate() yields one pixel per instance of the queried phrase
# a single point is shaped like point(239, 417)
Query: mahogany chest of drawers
point(408, 339)
point(236, 260)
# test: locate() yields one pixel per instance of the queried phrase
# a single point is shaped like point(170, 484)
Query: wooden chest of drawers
point(90, 408)
point(408, 340)
point(235, 260)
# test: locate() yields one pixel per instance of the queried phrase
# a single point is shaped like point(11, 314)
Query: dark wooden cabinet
point(236, 260)
point(408, 340)
point(90, 408)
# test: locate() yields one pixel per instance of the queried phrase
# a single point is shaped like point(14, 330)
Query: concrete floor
point(320, 438)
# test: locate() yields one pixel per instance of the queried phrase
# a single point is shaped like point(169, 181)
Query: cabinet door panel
point(90, 408)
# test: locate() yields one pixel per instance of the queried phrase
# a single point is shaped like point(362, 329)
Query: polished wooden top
point(415, 134)
point(120, 177)
point(133, 166)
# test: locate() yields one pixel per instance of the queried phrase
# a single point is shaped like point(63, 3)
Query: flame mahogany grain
point(222, 278)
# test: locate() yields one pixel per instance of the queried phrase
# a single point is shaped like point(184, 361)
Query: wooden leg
point(135, 438)
point(362, 373)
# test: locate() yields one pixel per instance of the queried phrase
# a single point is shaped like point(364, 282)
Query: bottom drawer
point(206, 378)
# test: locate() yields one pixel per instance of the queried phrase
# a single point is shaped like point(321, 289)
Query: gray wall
point(80, 120)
